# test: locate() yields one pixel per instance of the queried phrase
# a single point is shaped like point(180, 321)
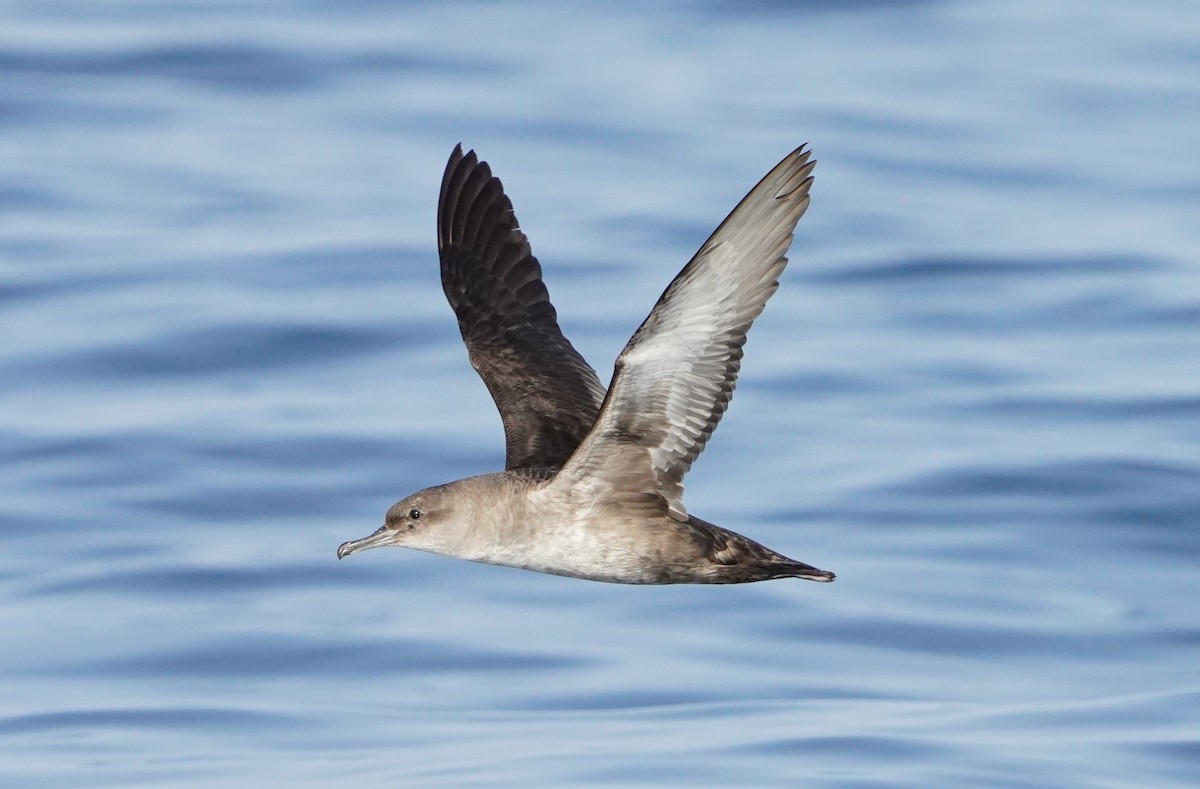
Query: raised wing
point(675, 378)
point(547, 395)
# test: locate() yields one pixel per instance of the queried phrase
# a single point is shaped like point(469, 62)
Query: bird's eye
point(414, 515)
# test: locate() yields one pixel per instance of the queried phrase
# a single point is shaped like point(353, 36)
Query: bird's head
point(425, 521)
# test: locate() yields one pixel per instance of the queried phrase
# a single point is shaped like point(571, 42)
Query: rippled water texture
point(976, 396)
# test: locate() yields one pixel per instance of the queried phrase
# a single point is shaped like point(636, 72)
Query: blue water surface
point(976, 395)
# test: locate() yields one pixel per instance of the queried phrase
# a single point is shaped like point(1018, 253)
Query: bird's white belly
point(594, 549)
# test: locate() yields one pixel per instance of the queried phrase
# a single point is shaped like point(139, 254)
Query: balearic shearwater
point(593, 481)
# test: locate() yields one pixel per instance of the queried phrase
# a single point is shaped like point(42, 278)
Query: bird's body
point(594, 480)
point(508, 518)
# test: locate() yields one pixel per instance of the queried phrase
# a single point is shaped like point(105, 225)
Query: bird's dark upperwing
point(676, 375)
point(547, 395)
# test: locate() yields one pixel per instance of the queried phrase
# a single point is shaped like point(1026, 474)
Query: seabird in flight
point(593, 479)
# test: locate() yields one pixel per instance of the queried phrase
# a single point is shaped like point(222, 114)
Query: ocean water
point(976, 395)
